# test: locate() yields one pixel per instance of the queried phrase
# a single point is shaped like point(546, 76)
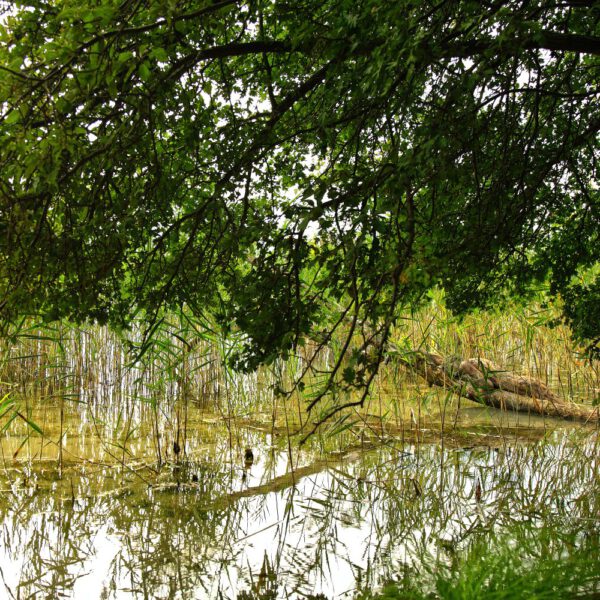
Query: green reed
point(519, 563)
point(187, 361)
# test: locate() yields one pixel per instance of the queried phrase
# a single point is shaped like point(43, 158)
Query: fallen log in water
point(483, 382)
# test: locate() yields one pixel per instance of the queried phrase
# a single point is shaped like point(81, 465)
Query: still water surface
point(108, 521)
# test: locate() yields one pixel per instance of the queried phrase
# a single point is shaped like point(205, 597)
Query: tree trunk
point(481, 381)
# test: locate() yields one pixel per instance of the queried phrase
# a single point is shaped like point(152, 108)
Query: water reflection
point(213, 527)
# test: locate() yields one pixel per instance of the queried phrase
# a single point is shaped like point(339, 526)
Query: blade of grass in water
point(545, 564)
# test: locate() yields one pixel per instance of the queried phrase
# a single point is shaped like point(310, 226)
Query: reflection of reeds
point(398, 510)
point(186, 521)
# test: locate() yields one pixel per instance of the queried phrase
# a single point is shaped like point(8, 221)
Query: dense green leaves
point(296, 167)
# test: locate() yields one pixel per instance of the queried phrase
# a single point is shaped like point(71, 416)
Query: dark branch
point(545, 40)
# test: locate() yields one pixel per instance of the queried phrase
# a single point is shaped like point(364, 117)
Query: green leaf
point(12, 117)
point(160, 54)
point(29, 422)
point(125, 56)
point(144, 71)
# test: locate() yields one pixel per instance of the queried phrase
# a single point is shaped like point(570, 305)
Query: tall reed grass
point(101, 373)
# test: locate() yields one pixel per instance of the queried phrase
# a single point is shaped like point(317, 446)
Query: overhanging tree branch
point(543, 40)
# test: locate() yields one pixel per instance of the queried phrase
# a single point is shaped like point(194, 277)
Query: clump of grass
point(546, 565)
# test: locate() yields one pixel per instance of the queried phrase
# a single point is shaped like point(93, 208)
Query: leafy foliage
point(296, 167)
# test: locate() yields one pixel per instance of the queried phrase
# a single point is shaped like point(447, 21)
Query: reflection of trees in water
point(367, 520)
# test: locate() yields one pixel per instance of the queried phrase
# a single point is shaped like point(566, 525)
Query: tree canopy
point(289, 166)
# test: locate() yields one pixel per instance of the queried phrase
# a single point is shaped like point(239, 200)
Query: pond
point(94, 517)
